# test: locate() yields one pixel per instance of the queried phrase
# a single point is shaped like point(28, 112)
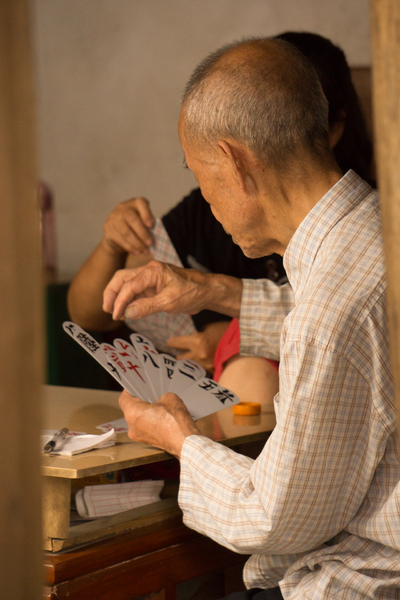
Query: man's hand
point(165, 424)
point(158, 287)
point(126, 229)
point(201, 346)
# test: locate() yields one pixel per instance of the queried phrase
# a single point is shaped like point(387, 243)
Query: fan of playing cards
point(147, 374)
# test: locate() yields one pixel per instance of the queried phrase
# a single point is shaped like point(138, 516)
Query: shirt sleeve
point(312, 475)
point(264, 307)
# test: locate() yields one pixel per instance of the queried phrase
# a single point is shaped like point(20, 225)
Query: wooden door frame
point(21, 308)
point(385, 25)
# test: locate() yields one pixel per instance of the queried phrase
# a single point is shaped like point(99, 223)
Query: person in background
point(318, 509)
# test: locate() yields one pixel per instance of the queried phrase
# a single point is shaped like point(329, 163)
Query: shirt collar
point(308, 237)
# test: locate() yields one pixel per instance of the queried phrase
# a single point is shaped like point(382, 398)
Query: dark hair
point(264, 93)
point(354, 149)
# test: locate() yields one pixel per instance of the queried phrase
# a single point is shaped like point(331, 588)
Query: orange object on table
point(247, 408)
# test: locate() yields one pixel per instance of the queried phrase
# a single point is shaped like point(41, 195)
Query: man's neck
point(295, 196)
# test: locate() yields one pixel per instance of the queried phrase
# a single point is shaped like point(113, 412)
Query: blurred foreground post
point(21, 307)
point(385, 33)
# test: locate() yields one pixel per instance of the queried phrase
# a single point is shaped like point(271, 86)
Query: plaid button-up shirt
point(319, 509)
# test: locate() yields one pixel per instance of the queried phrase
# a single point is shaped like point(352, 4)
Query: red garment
point(229, 346)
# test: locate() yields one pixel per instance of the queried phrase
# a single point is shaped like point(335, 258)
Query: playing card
point(132, 373)
point(149, 357)
point(125, 348)
point(186, 372)
point(131, 359)
point(167, 367)
point(146, 374)
point(141, 342)
point(152, 367)
point(206, 396)
point(92, 347)
point(119, 425)
point(191, 366)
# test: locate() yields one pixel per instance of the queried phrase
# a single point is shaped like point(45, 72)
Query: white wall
point(110, 76)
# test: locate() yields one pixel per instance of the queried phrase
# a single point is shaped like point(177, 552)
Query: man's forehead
point(200, 153)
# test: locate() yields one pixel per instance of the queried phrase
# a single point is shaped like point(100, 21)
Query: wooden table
point(152, 561)
point(86, 560)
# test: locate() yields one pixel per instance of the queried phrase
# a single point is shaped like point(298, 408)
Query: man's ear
point(235, 154)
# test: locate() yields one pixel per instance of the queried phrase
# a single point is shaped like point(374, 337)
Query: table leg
point(56, 507)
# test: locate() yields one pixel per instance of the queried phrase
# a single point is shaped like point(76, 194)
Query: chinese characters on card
point(147, 374)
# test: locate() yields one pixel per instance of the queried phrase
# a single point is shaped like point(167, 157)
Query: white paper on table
point(76, 444)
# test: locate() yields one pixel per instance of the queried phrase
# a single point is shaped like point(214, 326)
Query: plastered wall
point(110, 74)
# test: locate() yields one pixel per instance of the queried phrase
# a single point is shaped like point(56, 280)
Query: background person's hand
point(126, 229)
point(200, 346)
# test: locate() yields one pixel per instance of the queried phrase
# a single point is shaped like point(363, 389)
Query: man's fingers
point(133, 409)
point(125, 400)
point(124, 298)
point(125, 287)
point(164, 424)
point(109, 296)
point(114, 287)
point(140, 308)
point(156, 287)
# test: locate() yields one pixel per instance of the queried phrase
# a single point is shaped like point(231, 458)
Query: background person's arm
point(85, 294)
point(126, 240)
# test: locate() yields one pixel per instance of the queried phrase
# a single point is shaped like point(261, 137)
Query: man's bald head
point(263, 93)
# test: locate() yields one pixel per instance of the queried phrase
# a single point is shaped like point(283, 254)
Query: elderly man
point(319, 509)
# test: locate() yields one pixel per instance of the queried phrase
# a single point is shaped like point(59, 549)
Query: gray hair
point(267, 96)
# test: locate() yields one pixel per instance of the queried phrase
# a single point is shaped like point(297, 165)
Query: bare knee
point(252, 378)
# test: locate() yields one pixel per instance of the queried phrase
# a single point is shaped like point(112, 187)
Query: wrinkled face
point(239, 210)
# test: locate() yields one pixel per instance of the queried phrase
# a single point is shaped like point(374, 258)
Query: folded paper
point(94, 501)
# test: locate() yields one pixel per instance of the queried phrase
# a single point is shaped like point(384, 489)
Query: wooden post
point(385, 31)
point(21, 307)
